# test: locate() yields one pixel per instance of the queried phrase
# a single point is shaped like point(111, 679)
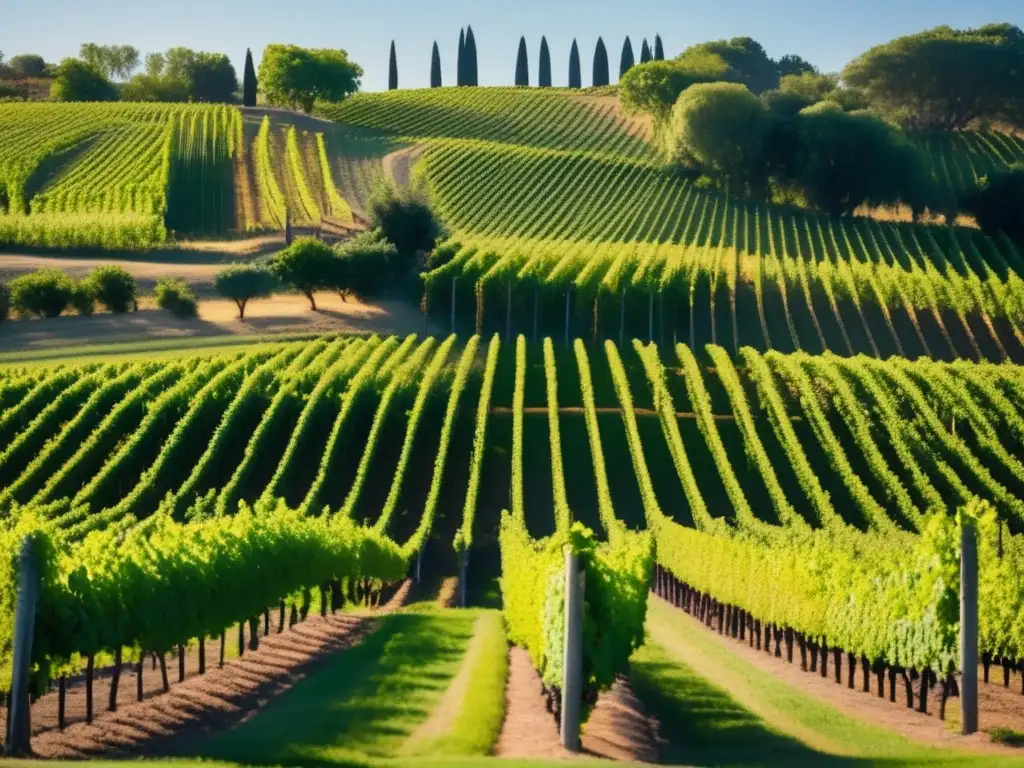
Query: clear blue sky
point(827, 32)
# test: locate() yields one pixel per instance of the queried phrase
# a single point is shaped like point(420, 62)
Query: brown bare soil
point(617, 729)
point(398, 164)
point(998, 706)
point(169, 724)
point(280, 315)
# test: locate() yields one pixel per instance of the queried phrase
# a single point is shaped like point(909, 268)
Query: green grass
point(722, 710)
point(478, 723)
point(363, 704)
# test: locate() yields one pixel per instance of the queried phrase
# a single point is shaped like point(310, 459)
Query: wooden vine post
point(572, 656)
point(19, 712)
point(968, 628)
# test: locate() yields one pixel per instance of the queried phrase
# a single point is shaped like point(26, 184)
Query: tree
point(28, 65)
point(720, 128)
point(847, 159)
point(575, 73)
point(299, 77)
point(244, 282)
point(404, 218)
point(393, 69)
point(211, 79)
point(156, 63)
point(998, 203)
point(544, 68)
point(150, 88)
point(626, 61)
point(307, 265)
point(113, 61)
point(176, 296)
point(659, 49)
point(472, 72)
point(249, 83)
point(745, 57)
point(791, 64)
point(365, 266)
point(654, 87)
point(946, 78)
point(522, 64)
point(435, 67)
point(461, 66)
point(645, 52)
point(114, 287)
point(76, 80)
point(601, 76)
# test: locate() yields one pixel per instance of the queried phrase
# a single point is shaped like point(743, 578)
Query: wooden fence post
point(19, 713)
point(572, 656)
point(968, 629)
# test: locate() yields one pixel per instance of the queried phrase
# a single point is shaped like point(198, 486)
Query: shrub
point(45, 293)
point(83, 298)
point(365, 266)
point(115, 288)
point(307, 265)
point(405, 218)
point(176, 296)
point(244, 282)
point(998, 203)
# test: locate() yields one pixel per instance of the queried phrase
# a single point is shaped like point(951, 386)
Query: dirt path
point(924, 729)
point(617, 728)
point(398, 164)
point(280, 315)
point(169, 724)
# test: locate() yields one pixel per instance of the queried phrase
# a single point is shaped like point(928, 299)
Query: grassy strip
point(151, 349)
point(362, 704)
point(725, 711)
point(477, 725)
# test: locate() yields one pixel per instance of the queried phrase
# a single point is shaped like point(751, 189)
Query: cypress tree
point(627, 61)
point(393, 69)
point(601, 76)
point(645, 52)
point(472, 74)
point(522, 64)
point(659, 50)
point(460, 67)
point(575, 74)
point(435, 67)
point(249, 82)
point(544, 75)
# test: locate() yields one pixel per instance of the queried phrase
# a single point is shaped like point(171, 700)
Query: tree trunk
point(181, 663)
point(778, 643)
point(293, 617)
point(323, 601)
point(837, 657)
point(757, 634)
point(851, 671)
point(254, 633)
point(163, 673)
point(62, 694)
point(880, 674)
point(1006, 673)
point(223, 642)
point(90, 665)
point(802, 642)
point(922, 705)
point(789, 645)
point(312, 300)
point(115, 681)
point(280, 618)
point(824, 660)
point(892, 683)
point(814, 656)
point(945, 695)
point(202, 655)
point(241, 639)
point(241, 309)
point(865, 667)
point(909, 686)
point(266, 622)
point(986, 662)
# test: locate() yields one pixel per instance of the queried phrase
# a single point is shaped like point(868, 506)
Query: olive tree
point(244, 282)
point(307, 265)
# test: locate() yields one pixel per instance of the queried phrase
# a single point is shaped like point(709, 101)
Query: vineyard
point(409, 450)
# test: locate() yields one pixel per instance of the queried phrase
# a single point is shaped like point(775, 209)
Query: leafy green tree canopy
point(791, 64)
point(404, 217)
point(113, 61)
point(306, 265)
point(998, 203)
point(114, 287)
point(655, 87)
point(28, 65)
point(720, 128)
point(745, 57)
point(299, 77)
point(945, 78)
point(365, 266)
point(75, 80)
point(244, 282)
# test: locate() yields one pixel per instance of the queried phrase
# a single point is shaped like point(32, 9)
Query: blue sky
point(827, 32)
